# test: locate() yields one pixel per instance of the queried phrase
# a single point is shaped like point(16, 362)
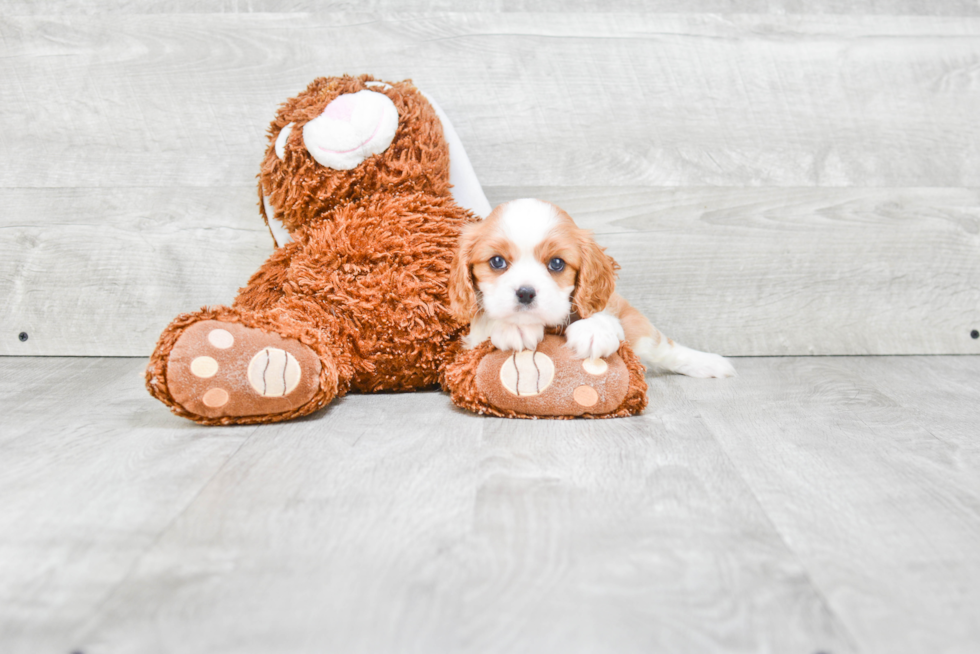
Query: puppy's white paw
point(506, 336)
point(594, 337)
point(703, 365)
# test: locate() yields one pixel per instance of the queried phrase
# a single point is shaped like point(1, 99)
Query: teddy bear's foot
point(551, 382)
point(547, 383)
point(224, 372)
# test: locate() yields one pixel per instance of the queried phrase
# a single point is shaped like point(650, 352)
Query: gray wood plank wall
point(775, 179)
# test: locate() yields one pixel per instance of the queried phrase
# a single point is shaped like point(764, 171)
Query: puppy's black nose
point(525, 295)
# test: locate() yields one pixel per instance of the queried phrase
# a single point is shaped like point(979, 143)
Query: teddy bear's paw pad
point(274, 373)
point(221, 369)
point(527, 373)
point(551, 382)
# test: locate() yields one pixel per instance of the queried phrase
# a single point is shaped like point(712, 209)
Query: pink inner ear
point(341, 108)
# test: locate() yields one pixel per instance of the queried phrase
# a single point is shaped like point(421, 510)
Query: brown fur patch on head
point(487, 248)
point(587, 265)
point(302, 190)
point(562, 243)
point(595, 271)
point(478, 243)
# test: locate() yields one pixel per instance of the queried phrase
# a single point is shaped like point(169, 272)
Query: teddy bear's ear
point(462, 292)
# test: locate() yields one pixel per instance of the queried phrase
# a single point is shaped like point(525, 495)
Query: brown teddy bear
point(355, 188)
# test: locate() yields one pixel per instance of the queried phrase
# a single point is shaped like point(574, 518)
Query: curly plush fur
point(417, 161)
point(363, 284)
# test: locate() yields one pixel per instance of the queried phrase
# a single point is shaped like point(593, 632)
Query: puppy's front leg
point(595, 337)
point(508, 336)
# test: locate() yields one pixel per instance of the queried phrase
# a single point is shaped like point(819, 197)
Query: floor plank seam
point(91, 623)
point(840, 624)
point(920, 422)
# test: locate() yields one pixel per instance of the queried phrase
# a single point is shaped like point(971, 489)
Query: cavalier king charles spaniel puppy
point(527, 266)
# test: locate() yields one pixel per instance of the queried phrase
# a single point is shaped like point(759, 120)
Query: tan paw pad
point(204, 367)
point(221, 338)
point(585, 395)
point(527, 373)
point(274, 372)
point(595, 366)
point(215, 397)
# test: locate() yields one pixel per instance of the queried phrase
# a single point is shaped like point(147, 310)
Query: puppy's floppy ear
point(462, 293)
point(596, 280)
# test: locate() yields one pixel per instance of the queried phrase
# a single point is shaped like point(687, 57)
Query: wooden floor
point(776, 178)
point(827, 504)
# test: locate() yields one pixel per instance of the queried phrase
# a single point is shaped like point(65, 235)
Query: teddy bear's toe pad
point(551, 382)
point(221, 369)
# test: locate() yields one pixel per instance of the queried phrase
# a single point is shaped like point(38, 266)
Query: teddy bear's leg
point(265, 287)
point(230, 366)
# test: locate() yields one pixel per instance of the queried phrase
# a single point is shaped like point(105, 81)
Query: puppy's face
point(529, 264)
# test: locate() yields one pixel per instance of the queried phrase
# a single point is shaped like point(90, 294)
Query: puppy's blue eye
point(556, 265)
point(497, 262)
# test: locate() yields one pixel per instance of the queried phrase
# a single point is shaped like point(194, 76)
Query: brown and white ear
point(596, 279)
point(462, 292)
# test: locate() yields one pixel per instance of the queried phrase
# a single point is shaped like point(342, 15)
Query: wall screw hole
point(974, 334)
point(22, 336)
